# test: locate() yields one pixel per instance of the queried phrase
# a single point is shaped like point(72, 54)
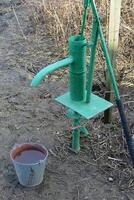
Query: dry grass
point(61, 19)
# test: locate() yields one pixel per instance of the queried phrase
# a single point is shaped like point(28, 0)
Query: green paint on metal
point(74, 115)
point(108, 61)
point(84, 22)
point(77, 130)
point(76, 136)
point(77, 81)
point(94, 39)
point(76, 140)
point(49, 69)
point(105, 50)
point(84, 131)
point(86, 3)
point(86, 6)
point(87, 110)
point(71, 114)
point(94, 10)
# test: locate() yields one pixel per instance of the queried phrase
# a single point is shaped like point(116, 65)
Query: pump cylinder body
point(77, 83)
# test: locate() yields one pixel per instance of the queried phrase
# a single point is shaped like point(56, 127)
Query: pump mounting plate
point(87, 110)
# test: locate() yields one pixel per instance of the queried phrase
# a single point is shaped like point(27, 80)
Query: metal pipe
point(105, 50)
point(84, 22)
point(76, 136)
point(49, 69)
point(108, 61)
point(77, 72)
point(86, 6)
point(94, 40)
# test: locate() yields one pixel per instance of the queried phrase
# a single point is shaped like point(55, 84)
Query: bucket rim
point(26, 164)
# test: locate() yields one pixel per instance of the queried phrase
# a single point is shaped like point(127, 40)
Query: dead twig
point(87, 162)
point(128, 102)
point(18, 22)
point(115, 159)
point(51, 152)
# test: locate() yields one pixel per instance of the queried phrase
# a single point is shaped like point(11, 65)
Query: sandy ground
point(28, 114)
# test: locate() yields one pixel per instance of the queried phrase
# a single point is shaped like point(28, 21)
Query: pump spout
point(49, 69)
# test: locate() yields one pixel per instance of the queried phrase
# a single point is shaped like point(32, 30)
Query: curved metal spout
point(49, 69)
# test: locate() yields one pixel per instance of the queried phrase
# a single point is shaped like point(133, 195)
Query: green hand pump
point(80, 100)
